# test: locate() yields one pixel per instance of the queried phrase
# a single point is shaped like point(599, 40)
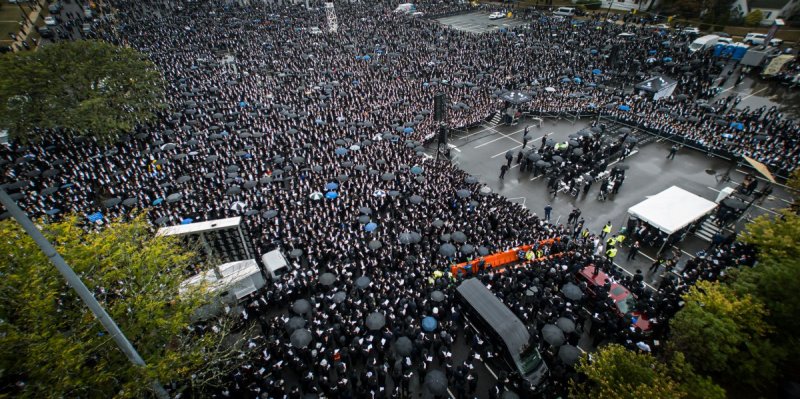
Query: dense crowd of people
point(290, 112)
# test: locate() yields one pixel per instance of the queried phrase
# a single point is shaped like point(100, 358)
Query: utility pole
point(75, 282)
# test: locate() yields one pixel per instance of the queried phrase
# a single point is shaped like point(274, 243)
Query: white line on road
point(453, 147)
point(520, 145)
point(506, 136)
point(753, 93)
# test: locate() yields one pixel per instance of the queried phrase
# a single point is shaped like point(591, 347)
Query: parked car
point(757, 39)
point(661, 26)
point(54, 8)
point(50, 21)
point(46, 32)
point(690, 30)
point(622, 297)
point(497, 15)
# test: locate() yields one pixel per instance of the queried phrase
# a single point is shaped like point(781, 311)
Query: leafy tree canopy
point(724, 334)
point(50, 340)
point(614, 372)
point(89, 87)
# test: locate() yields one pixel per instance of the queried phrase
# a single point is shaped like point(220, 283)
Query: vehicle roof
point(617, 292)
point(495, 313)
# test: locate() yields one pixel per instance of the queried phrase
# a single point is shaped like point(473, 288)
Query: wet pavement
point(481, 152)
point(479, 22)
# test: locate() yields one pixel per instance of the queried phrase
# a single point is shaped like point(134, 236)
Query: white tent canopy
point(672, 209)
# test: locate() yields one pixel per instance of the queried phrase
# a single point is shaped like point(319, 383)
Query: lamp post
point(75, 282)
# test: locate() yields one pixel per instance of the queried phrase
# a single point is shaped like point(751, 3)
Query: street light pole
point(75, 282)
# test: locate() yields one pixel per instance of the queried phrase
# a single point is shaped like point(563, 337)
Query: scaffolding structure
point(330, 13)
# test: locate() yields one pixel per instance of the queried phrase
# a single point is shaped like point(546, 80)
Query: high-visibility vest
point(607, 228)
point(620, 238)
point(611, 253)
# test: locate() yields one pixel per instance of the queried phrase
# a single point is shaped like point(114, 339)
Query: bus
point(504, 330)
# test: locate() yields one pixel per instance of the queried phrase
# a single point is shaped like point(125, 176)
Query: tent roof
point(199, 227)
point(230, 273)
point(672, 209)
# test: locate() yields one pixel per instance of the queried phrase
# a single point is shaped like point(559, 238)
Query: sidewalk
point(28, 27)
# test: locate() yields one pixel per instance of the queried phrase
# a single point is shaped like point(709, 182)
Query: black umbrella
point(572, 291)
point(300, 338)
point(553, 335)
point(557, 159)
point(301, 306)
point(327, 278)
point(375, 321)
point(437, 296)
point(403, 346)
point(463, 193)
point(622, 166)
point(734, 203)
point(130, 201)
point(566, 325)
point(375, 244)
point(533, 156)
point(294, 323)
point(509, 395)
point(447, 250)
point(415, 199)
point(458, 237)
point(365, 210)
point(467, 249)
point(387, 176)
point(296, 253)
point(339, 297)
point(438, 223)
point(112, 202)
point(569, 354)
point(470, 180)
point(483, 251)
point(362, 282)
point(436, 382)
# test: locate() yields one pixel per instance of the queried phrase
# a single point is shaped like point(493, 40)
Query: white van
point(275, 264)
point(704, 42)
point(565, 12)
point(406, 8)
point(757, 39)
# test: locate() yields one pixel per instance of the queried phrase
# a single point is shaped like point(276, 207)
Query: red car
point(623, 298)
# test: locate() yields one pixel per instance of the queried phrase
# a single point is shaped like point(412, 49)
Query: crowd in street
point(318, 135)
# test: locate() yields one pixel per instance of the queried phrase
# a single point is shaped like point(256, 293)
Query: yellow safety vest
point(607, 228)
point(611, 253)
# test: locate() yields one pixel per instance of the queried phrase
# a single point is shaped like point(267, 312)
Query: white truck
point(406, 8)
point(703, 42)
point(275, 264)
point(226, 284)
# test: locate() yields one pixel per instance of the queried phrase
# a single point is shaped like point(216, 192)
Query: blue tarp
point(331, 186)
point(187, 221)
point(408, 130)
point(737, 125)
point(331, 195)
point(158, 201)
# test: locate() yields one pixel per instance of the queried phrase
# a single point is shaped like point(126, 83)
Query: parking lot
point(479, 22)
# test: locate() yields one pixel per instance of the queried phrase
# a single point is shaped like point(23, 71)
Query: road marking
point(753, 204)
point(513, 148)
point(485, 128)
point(453, 147)
point(504, 136)
point(753, 94)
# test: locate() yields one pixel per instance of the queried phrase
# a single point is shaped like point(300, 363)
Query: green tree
point(88, 87)
point(724, 334)
point(617, 373)
point(51, 341)
point(775, 279)
point(695, 386)
point(753, 18)
point(684, 8)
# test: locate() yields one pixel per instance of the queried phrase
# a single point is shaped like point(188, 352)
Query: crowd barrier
point(498, 259)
